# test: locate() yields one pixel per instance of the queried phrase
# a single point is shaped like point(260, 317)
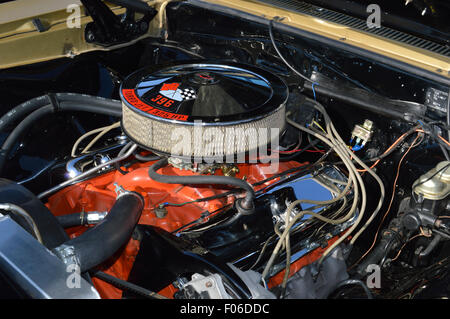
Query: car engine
point(223, 159)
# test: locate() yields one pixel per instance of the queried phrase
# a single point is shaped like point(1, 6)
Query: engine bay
point(228, 159)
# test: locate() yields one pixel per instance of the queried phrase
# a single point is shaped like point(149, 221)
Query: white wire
point(321, 109)
point(101, 130)
point(353, 175)
point(334, 140)
point(106, 130)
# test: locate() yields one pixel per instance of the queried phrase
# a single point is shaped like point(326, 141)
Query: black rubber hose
point(354, 282)
point(148, 158)
point(25, 108)
point(23, 126)
point(387, 242)
point(90, 99)
point(72, 220)
point(125, 285)
point(424, 253)
point(38, 114)
point(99, 243)
point(247, 203)
point(52, 233)
point(21, 111)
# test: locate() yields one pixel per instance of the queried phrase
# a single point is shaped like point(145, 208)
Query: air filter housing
point(203, 110)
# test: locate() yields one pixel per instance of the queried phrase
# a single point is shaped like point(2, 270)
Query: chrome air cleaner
point(205, 109)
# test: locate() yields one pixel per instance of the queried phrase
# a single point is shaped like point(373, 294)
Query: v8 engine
point(188, 152)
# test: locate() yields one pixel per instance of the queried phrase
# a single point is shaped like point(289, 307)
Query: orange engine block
point(98, 194)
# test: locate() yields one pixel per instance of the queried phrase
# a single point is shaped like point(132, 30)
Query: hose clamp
point(67, 254)
point(120, 191)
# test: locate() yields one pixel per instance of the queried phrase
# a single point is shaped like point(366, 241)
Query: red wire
point(298, 150)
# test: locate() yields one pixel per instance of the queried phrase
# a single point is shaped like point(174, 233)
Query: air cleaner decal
point(173, 91)
point(130, 97)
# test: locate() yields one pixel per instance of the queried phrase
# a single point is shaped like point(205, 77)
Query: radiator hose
point(62, 102)
point(20, 111)
point(52, 233)
point(99, 243)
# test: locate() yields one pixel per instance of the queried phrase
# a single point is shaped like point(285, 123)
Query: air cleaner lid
point(212, 92)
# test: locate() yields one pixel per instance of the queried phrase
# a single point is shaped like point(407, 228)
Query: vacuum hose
point(246, 203)
point(99, 243)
